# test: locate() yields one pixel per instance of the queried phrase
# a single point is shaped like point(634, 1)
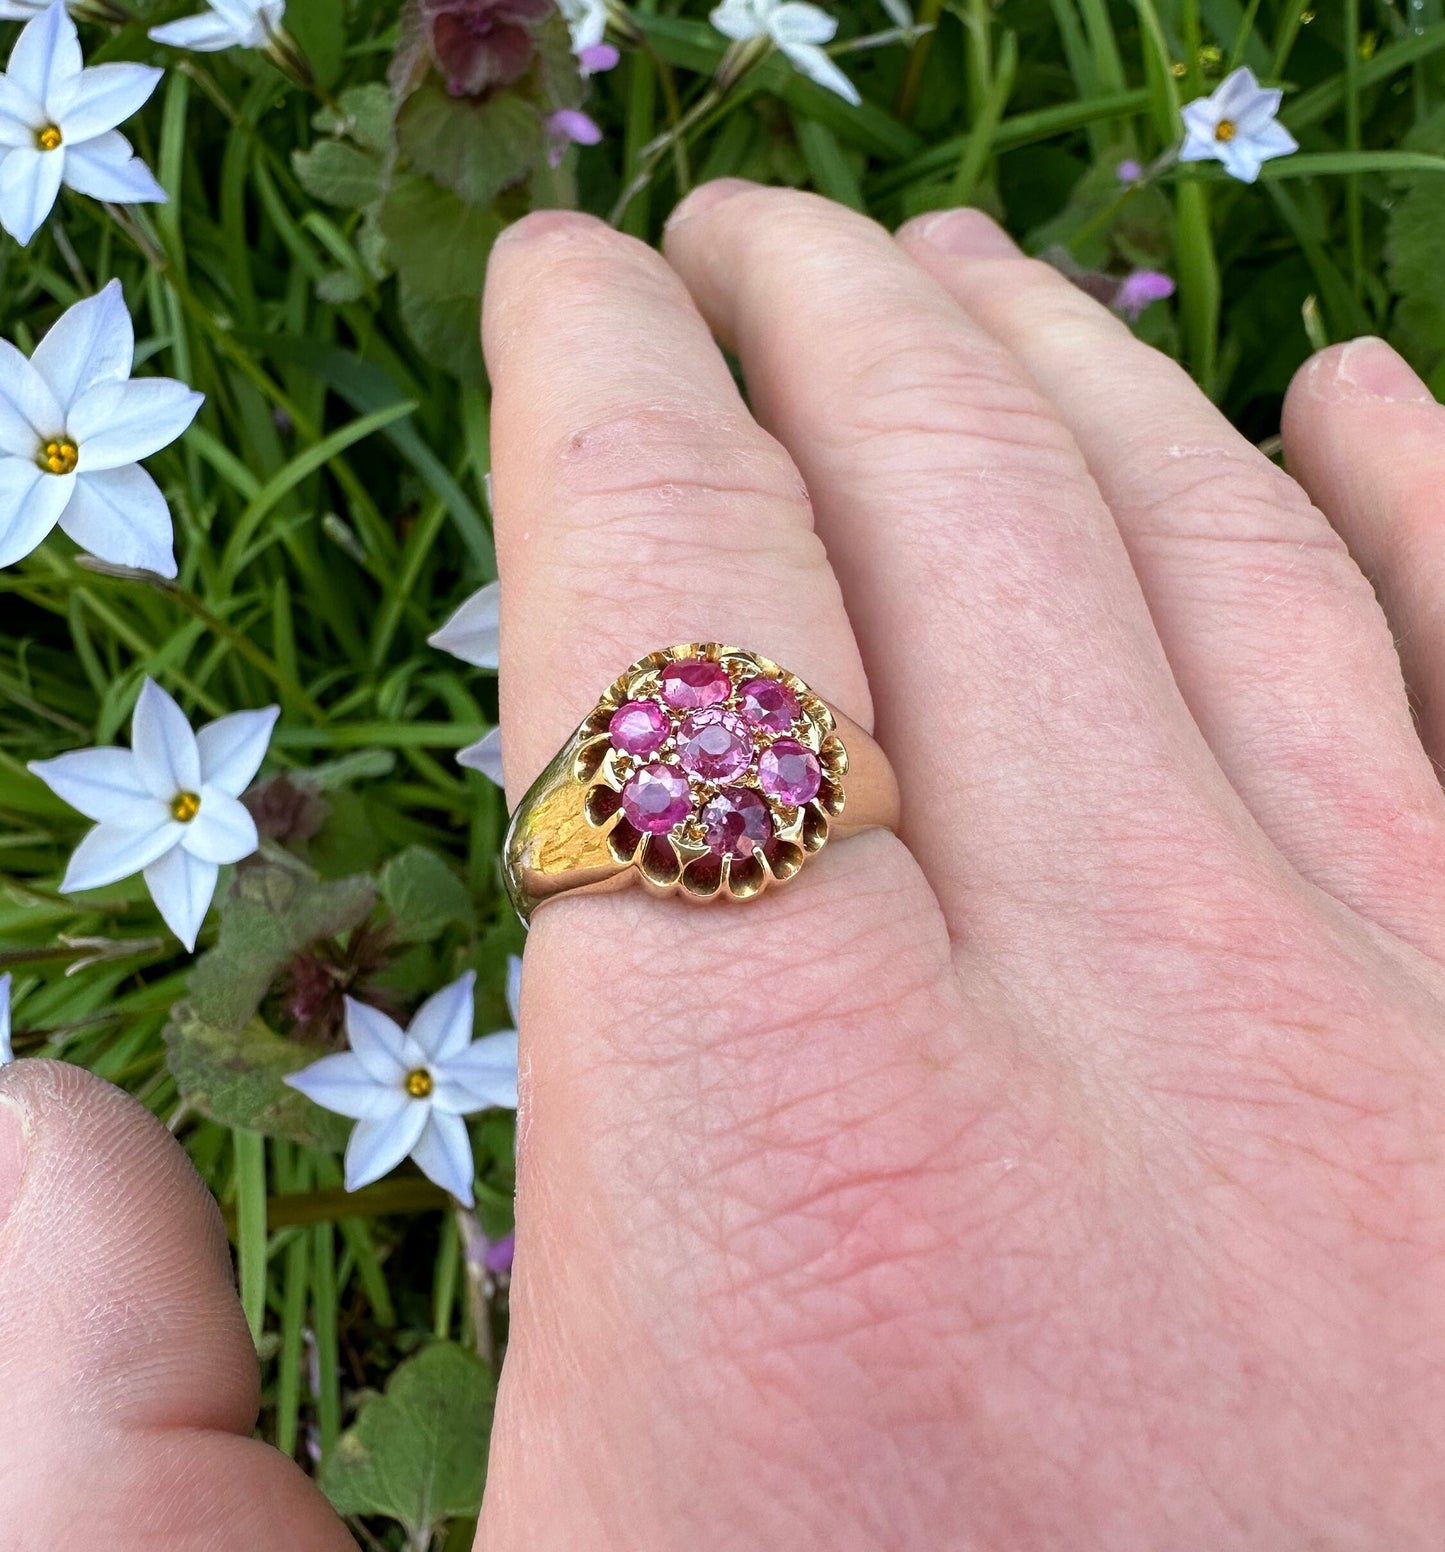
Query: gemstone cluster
point(717, 765)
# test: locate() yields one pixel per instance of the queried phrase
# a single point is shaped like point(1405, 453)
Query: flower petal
point(29, 181)
point(1236, 94)
point(514, 988)
point(111, 852)
point(377, 1041)
point(46, 58)
point(104, 96)
point(342, 1084)
point(7, 1051)
point(90, 342)
point(206, 33)
point(739, 19)
point(472, 631)
point(483, 1075)
point(20, 114)
point(29, 412)
point(165, 748)
point(117, 423)
point(377, 1147)
point(811, 61)
point(182, 886)
point(107, 168)
point(30, 503)
point(443, 1153)
point(485, 756)
point(121, 516)
point(223, 831)
point(797, 22)
point(232, 748)
point(103, 784)
point(1274, 140)
point(1240, 159)
point(443, 1024)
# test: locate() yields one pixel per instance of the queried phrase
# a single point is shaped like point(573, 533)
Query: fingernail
point(12, 1156)
point(707, 197)
point(965, 234)
point(1368, 369)
point(543, 223)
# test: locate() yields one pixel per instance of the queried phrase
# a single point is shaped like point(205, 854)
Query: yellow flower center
point(418, 1083)
point(1224, 130)
point(185, 806)
point(59, 456)
point(48, 139)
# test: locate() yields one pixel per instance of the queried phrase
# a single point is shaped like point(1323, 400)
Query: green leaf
point(425, 895)
point(234, 1076)
point(339, 174)
point(273, 911)
point(365, 116)
point(475, 149)
point(418, 1453)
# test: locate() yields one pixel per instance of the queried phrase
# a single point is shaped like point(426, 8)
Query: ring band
point(705, 771)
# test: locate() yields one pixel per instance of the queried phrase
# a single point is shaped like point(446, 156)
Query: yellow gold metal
point(419, 1083)
point(568, 833)
point(185, 806)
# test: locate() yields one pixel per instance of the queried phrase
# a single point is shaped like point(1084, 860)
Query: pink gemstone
point(737, 821)
point(789, 772)
point(766, 703)
point(639, 727)
point(716, 745)
point(692, 683)
point(656, 798)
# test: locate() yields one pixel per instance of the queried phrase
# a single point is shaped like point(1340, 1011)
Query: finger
point(1274, 637)
point(128, 1385)
point(1019, 683)
point(1366, 438)
point(688, 1074)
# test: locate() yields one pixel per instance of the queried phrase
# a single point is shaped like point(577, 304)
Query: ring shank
point(551, 849)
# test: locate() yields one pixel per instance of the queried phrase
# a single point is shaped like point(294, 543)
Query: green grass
point(330, 510)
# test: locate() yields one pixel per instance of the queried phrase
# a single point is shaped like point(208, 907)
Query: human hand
point(1061, 1173)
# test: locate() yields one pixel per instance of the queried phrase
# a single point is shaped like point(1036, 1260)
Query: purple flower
point(1137, 290)
point(568, 126)
point(1129, 171)
point(596, 58)
point(498, 1256)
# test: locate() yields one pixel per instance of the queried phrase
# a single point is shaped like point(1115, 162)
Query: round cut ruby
point(789, 772)
point(693, 683)
point(639, 727)
point(656, 798)
point(768, 704)
point(737, 821)
point(716, 745)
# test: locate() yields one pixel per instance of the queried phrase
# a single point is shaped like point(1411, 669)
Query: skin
point(1064, 1172)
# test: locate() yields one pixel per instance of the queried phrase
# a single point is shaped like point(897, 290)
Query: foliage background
point(317, 274)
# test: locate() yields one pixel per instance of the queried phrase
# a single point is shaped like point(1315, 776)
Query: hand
point(1063, 1173)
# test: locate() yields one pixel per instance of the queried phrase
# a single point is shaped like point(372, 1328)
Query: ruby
point(789, 772)
point(694, 682)
point(766, 703)
point(716, 745)
point(639, 727)
point(657, 798)
point(737, 821)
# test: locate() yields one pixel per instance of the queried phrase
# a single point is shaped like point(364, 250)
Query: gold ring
point(703, 770)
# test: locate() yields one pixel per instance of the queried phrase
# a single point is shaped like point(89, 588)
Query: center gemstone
point(716, 745)
point(59, 456)
point(418, 1083)
point(48, 138)
point(185, 806)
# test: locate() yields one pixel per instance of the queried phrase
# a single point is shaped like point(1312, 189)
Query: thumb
point(128, 1383)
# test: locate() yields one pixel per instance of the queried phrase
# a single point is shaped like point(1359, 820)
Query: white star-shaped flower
point(72, 425)
point(1236, 125)
point(472, 633)
point(225, 24)
point(408, 1090)
point(799, 30)
point(58, 125)
point(169, 806)
point(7, 1051)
